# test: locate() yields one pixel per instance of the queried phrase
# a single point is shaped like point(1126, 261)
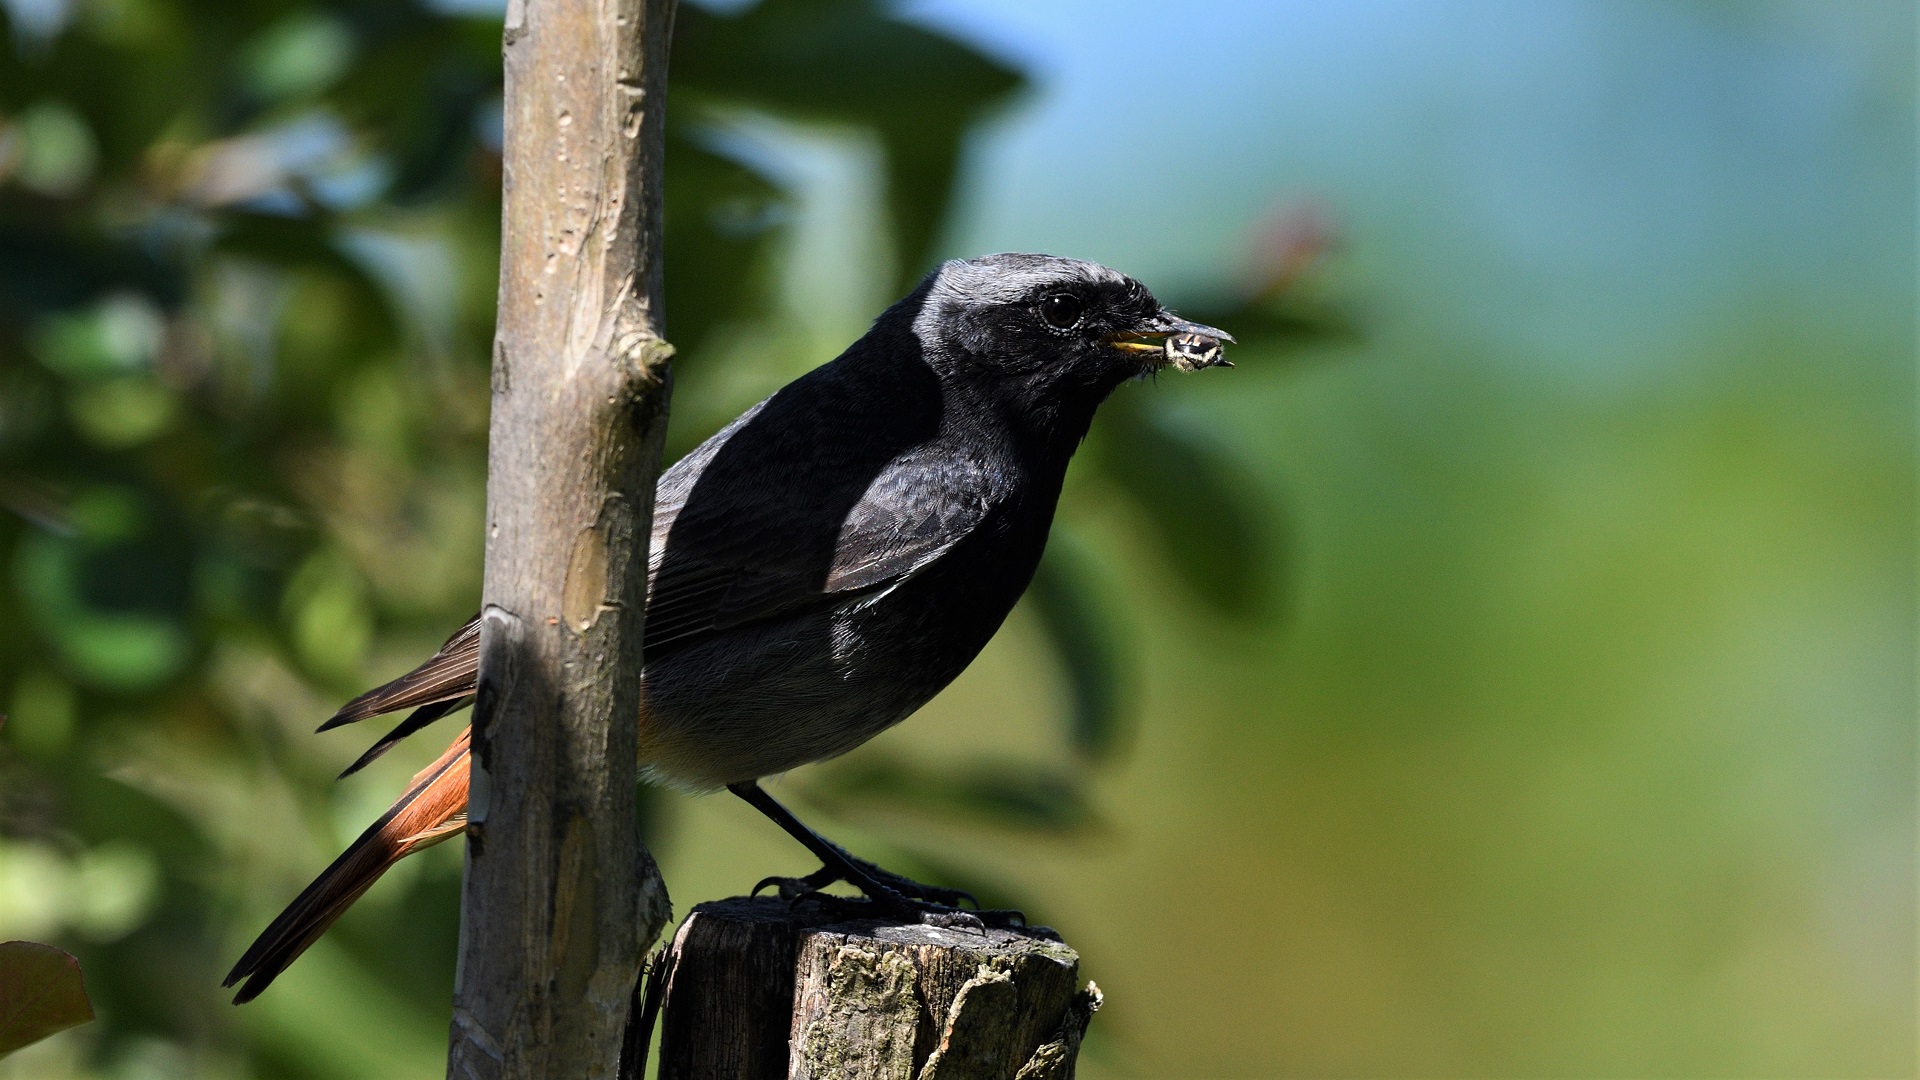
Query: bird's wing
point(757, 567)
point(712, 577)
point(448, 675)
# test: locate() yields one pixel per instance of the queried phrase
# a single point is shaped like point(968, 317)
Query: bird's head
point(1052, 328)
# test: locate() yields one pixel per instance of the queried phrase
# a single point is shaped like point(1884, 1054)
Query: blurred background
point(1507, 670)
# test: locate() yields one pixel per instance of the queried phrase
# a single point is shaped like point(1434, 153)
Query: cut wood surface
point(761, 990)
point(560, 899)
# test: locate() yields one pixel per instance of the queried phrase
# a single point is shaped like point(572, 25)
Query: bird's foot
point(885, 904)
point(893, 896)
point(791, 889)
point(869, 879)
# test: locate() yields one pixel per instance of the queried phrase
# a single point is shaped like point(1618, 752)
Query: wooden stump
point(758, 989)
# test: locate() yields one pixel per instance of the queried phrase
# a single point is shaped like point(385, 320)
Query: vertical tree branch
point(560, 898)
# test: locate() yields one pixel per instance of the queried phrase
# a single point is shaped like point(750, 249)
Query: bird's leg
point(900, 895)
point(836, 863)
point(837, 869)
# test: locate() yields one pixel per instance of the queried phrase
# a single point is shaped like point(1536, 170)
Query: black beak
point(1166, 322)
point(1183, 343)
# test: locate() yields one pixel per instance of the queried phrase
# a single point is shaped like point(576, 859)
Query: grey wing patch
point(904, 524)
point(907, 518)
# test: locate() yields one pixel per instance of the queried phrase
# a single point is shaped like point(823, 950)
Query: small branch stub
point(762, 990)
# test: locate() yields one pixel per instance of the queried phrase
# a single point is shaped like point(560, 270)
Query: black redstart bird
point(827, 563)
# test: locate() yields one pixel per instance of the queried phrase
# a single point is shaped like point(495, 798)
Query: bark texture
point(763, 991)
point(560, 897)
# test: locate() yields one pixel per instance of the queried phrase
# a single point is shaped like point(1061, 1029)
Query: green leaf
point(1218, 535)
point(1082, 629)
point(113, 599)
point(298, 55)
point(1281, 321)
point(1009, 794)
point(852, 62)
point(41, 993)
point(722, 219)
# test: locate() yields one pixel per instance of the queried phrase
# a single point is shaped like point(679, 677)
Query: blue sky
point(1586, 180)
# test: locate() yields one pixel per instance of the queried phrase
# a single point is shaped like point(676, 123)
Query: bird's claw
point(888, 904)
point(792, 889)
point(933, 894)
point(901, 899)
point(876, 880)
point(909, 888)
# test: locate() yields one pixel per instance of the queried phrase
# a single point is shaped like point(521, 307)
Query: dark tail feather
point(422, 716)
point(448, 675)
point(433, 808)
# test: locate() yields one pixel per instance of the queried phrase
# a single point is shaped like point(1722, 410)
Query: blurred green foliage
point(1527, 681)
point(247, 271)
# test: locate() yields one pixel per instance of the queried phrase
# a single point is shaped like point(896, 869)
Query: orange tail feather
point(433, 808)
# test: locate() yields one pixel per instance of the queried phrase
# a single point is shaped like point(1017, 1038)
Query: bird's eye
point(1062, 310)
